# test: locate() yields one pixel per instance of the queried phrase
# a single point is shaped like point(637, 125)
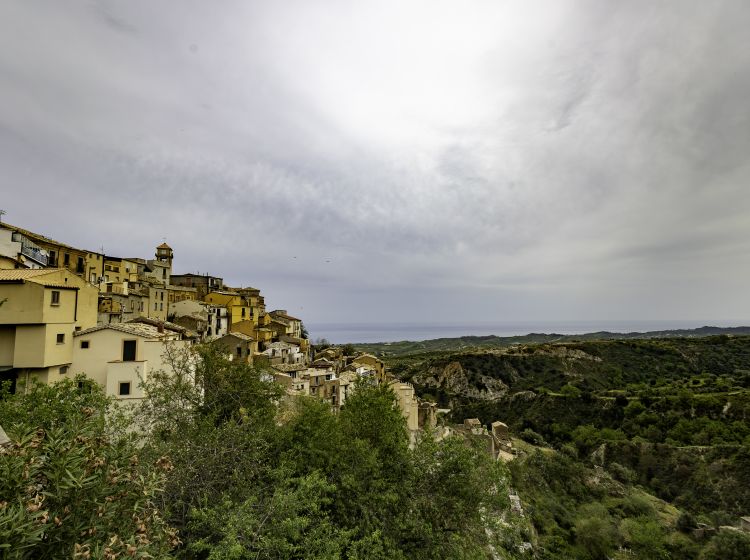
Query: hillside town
point(66, 311)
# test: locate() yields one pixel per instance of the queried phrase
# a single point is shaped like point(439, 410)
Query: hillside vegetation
point(654, 421)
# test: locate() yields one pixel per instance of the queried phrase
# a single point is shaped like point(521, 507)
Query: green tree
point(215, 419)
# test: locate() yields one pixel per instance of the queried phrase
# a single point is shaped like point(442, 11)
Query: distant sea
point(341, 333)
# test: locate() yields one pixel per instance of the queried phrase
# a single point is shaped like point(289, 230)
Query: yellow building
point(263, 336)
point(238, 308)
point(41, 310)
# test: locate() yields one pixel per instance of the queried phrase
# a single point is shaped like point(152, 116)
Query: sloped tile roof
point(25, 273)
point(136, 329)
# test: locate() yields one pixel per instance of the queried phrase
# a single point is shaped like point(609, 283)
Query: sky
point(427, 161)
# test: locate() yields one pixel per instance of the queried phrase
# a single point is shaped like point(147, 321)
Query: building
point(407, 402)
point(120, 357)
point(181, 293)
point(58, 255)
point(41, 310)
point(203, 283)
point(292, 324)
point(283, 353)
point(118, 270)
point(18, 251)
point(237, 307)
point(237, 346)
point(209, 321)
point(370, 362)
point(336, 390)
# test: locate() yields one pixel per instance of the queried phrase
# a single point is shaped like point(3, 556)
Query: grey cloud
point(518, 156)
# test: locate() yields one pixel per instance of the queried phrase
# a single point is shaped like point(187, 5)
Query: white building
point(120, 356)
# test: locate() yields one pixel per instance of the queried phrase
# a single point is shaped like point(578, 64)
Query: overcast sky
point(415, 161)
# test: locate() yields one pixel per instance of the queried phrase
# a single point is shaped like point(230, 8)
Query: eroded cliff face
point(492, 375)
point(452, 379)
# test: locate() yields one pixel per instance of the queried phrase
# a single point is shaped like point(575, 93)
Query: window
point(55, 297)
point(63, 370)
point(243, 311)
point(124, 388)
point(239, 350)
point(52, 257)
point(80, 267)
point(156, 306)
point(84, 344)
point(162, 296)
point(161, 307)
point(66, 260)
point(60, 338)
point(128, 350)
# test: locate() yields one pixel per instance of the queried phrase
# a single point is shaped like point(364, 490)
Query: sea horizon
point(359, 333)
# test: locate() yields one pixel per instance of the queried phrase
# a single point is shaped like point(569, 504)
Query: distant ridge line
point(494, 341)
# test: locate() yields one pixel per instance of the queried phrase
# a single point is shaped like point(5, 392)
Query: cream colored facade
point(120, 357)
point(407, 402)
point(42, 310)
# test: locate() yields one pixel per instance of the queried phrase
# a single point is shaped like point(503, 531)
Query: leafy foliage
point(71, 485)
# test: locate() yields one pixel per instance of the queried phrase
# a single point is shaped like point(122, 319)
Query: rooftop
point(37, 276)
point(136, 329)
point(280, 346)
point(239, 335)
point(284, 315)
point(25, 273)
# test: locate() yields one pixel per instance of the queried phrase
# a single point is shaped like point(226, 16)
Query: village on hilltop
point(66, 311)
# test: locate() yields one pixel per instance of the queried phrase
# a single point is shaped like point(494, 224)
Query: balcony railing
point(34, 253)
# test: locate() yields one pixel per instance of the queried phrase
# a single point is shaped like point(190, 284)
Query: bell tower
point(164, 254)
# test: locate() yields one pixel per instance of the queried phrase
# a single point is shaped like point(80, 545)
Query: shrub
point(71, 484)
